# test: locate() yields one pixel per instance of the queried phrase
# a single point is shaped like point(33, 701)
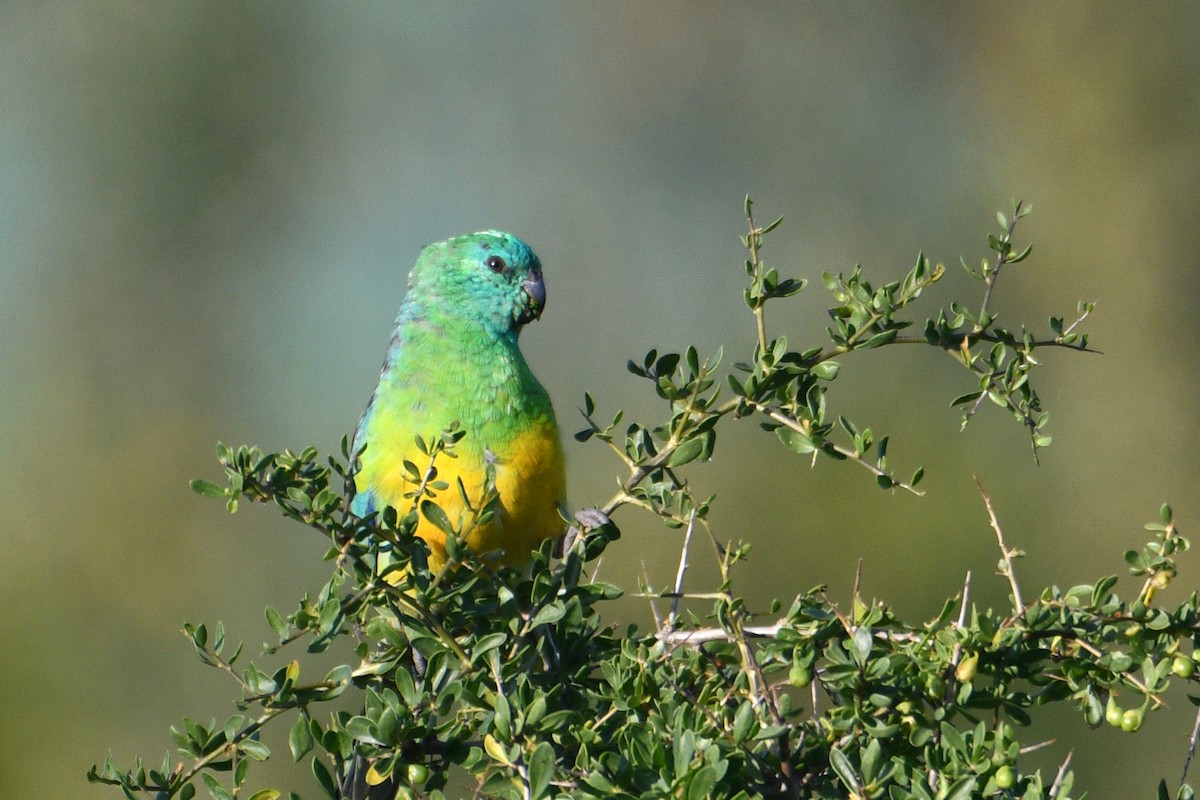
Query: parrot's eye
point(496, 264)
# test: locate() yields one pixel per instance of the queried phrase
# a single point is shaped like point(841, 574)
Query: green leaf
point(207, 488)
point(953, 739)
point(961, 789)
point(701, 785)
point(541, 770)
point(844, 769)
point(686, 452)
point(666, 365)
point(683, 750)
point(265, 794)
point(773, 731)
point(971, 397)
point(548, 614)
point(255, 749)
point(214, 787)
point(386, 727)
point(743, 722)
point(826, 370)
point(339, 675)
point(494, 749)
point(878, 340)
point(362, 729)
point(277, 623)
point(535, 711)
point(328, 785)
point(434, 513)
point(488, 643)
point(1021, 256)
point(795, 441)
point(1101, 589)
point(503, 717)
point(861, 644)
point(300, 739)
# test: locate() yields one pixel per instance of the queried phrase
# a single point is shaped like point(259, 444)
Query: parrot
point(453, 362)
point(453, 359)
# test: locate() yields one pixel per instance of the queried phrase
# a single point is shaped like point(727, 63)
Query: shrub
point(516, 687)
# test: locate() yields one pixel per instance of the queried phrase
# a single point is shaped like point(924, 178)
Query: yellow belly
point(530, 479)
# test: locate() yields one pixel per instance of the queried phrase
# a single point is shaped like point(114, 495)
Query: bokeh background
point(207, 212)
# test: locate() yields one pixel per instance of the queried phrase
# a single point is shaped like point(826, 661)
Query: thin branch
point(1033, 748)
point(783, 419)
point(956, 654)
point(1001, 259)
point(761, 695)
point(1007, 554)
point(1146, 595)
point(426, 478)
point(966, 596)
point(652, 595)
point(958, 340)
point(220, 663)
point(682, 569)
point(348, 606)
point(226, 750)
point(702, 635)
point(526, 790)
point(1084, 644)
point(760, 317)
point(698, 636)
point(1070, 328)
point(1062, 773)
point(604, 437)
point(1191, 746)
point(974, 408)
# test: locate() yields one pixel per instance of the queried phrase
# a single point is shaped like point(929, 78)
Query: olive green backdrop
point(207, 212)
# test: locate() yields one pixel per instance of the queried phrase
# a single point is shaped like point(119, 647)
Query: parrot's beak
point(534, 291)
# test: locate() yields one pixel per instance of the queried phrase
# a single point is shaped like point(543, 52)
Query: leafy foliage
point(515, 685)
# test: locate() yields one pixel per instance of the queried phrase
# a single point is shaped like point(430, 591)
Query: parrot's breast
point(507, 421)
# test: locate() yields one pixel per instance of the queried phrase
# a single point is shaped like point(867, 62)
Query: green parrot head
point(491, 277)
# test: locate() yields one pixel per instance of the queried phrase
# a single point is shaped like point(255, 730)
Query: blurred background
point(208, 210)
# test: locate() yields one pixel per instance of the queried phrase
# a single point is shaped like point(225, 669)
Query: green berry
point(800, 676)
point(417, 774)
point(1113, 713)
point(1183, 667)
point(965, 672)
